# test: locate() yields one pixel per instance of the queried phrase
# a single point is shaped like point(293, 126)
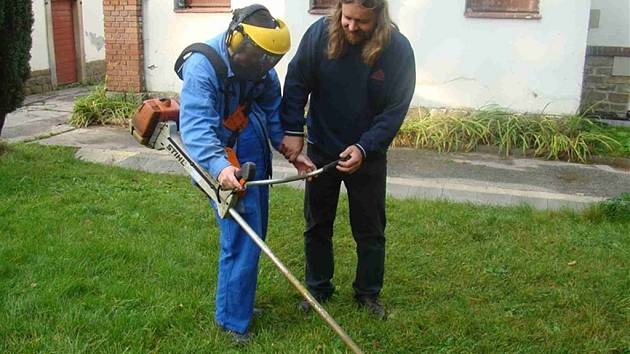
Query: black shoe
point(372, 305)
point(258, 312)
point(240, 338)
point(305, 306)
point(237, 338)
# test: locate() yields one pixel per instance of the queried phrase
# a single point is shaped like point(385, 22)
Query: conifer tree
point(16, 22)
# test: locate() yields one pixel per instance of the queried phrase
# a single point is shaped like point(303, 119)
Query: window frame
point(185, 6)
point(503, 13)
point(317, 8)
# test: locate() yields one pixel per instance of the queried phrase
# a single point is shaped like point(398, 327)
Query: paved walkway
point(484, 178)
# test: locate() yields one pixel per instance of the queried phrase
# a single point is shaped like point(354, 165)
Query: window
point(321, 7)
point(202, 6)
point(523, 9)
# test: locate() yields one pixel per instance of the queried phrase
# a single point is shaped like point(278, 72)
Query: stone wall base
point(602, 92)
point(95, 71)
point(40, 80)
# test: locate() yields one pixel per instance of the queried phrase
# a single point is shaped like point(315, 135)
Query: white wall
point(93, 30)
point(93, 34)
point(39, 48)
point(614, 24)
point(167, 33)
point(524, 65)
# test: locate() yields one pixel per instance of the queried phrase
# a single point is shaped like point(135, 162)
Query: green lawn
point(100, 259)
point(620, 134)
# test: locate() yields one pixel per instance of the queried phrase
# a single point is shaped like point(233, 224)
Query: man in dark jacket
point(359, 71)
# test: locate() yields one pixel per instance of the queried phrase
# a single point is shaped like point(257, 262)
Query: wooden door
point(64, 43)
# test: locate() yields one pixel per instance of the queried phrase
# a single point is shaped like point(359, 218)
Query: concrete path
point(483, 178)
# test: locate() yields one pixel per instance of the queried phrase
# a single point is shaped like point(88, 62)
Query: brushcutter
point(155, 126)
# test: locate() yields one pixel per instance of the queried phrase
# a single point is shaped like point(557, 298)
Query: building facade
point(68, 44)
point(523, 55)
point(607, 72)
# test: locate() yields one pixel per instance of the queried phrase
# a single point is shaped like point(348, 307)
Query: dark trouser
point(366, 196)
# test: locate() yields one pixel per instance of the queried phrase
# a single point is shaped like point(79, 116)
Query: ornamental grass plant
point(572, 138)
point(103, 108)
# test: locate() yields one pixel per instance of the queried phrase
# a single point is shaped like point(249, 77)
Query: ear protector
point(235, 28)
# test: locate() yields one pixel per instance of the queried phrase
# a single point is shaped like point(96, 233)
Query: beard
point(356, 37)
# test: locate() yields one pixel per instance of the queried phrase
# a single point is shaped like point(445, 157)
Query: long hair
point(381, 34)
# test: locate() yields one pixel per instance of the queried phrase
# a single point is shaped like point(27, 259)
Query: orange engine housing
point(150, 113)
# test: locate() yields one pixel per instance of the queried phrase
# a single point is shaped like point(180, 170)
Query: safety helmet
point(262, 47)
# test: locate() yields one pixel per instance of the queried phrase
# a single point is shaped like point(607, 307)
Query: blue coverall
point(201, 115)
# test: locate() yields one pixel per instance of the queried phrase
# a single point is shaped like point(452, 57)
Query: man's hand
point(227, 179)
point(353, 162)
point(291, 147)
point(303, 164)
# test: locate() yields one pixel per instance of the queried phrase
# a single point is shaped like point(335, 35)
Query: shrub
point(99, 107)
point(16, 21)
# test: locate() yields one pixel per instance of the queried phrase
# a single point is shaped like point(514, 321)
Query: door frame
point(77, 19)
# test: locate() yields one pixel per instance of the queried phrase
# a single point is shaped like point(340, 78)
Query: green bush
point(99, 107)
point(16, 21)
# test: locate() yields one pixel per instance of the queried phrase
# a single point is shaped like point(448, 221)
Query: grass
point(622, 135)
point(100, 259)
point(616, 209)
point(572, 138)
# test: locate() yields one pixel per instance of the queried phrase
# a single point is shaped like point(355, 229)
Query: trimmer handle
point(333, 165)
point(246, 173)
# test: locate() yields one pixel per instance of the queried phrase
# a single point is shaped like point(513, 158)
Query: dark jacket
point(351, 102)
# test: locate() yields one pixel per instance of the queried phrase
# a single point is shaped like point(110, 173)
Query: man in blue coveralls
point(252, 46)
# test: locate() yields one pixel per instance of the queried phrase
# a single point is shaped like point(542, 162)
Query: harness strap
point(215, 59)
point(237, 120)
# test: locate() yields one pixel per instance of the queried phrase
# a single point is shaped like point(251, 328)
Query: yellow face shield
point(272, 40)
